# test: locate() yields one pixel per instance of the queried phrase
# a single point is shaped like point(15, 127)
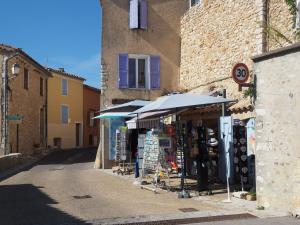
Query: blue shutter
point(123, 70)
point(154, 72)
point(64, 114)
point(134, 14)
point(226, 149)
point(143, 14)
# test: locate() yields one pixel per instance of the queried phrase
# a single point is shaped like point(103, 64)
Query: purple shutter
point(123, 70)
point(154, 72)
point(143, 14)
point(134, 14)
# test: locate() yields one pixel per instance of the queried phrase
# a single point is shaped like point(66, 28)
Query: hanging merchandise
point(212, 162)
point(123, 143)
point(151, 151)
point(240, 155)
point(118, 145)
point(202, 170)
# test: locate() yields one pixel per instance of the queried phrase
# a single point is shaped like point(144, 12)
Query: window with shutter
point(138, 14)
point(26, 79)
point(123, 70)
point(64, 114)
point(64, 87)
point(154, 72)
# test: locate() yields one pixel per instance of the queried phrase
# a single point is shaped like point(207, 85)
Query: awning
point(113, 115)
point(126, 107)
point(181, 101)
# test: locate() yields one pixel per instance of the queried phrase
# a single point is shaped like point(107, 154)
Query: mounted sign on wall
point(240, 73)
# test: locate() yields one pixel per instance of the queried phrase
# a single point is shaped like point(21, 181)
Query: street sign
point(240, 73)
point(14, 117)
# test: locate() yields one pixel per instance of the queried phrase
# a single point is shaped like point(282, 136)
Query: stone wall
point(27, 103)
point(277, 131)
point(280, 22)
point(216, 35)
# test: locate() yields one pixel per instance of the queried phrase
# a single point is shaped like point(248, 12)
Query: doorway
point(78, 132)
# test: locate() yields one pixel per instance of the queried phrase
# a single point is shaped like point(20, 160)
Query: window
point(41, 86)
point(139, 71)
point(138, 14)
point(91, 120)
point(26, 79)
point(64, 114)
point(64, 87)
point(194, 2)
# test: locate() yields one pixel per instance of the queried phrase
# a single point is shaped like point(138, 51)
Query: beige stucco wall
point(277, 136)
point(74, 100)
point(21, 103)
point(161, 38)
point(218, 34)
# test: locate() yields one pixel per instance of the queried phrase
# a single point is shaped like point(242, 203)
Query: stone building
point(91, 106)
point(218, 34)
point(65, 110)
point(27, 102)
point(140, 52)
point(277, 129)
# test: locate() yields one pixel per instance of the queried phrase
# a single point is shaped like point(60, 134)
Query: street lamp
point(4, 99)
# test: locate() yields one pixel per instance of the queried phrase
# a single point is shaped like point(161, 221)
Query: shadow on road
point(70, 156)
point(27, 205)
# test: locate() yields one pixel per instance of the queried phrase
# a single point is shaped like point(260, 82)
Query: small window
point(26, 79)
point(64, 114)
point(41, 86)
point(138, 14)
point(91, 120)
point(64, 87)
point(137, 72)
point(194, 2)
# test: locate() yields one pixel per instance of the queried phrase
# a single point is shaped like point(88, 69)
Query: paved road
point(65, 189)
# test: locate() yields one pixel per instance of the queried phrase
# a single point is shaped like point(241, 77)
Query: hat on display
point(212, 142)
point(210, 131)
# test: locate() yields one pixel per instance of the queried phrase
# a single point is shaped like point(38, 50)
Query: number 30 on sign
point(240, 73)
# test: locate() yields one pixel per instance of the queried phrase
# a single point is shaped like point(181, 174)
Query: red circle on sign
point(240, 73)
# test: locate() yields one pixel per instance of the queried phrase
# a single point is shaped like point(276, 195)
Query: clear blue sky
point(57, 33)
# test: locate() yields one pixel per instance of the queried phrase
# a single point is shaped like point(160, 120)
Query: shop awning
point(113, 115)
point(181, 101)
point(126, 107)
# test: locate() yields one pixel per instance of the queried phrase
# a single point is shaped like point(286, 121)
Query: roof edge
point(277, 52)
point(66, 74)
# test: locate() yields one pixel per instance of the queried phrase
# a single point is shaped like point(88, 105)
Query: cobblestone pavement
point(64, 189)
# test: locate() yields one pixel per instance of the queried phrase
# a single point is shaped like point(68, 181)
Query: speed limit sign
point(240, 73)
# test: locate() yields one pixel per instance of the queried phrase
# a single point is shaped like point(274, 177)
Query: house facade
point(65, 110)
point(27, 122)
point(91, 106)
point(140, 53)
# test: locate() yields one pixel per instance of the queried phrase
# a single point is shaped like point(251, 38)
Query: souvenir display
point(151, 150)
point(240, 155)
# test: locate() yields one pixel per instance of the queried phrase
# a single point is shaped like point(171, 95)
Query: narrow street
point(64, 188)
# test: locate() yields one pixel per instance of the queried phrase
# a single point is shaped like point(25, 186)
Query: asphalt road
point(64, 189)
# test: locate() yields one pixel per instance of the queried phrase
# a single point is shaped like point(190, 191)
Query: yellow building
point(65, 110)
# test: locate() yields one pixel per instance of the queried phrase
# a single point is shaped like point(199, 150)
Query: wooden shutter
point(123, 70)
point(154, 72)
point(134, 14)
point(143, 14)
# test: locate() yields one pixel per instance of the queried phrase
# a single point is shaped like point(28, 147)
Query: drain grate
point(82, 196)
point(188, 210)
point(196, 220)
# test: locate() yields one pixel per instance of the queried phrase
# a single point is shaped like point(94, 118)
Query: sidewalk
point(236, 206)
